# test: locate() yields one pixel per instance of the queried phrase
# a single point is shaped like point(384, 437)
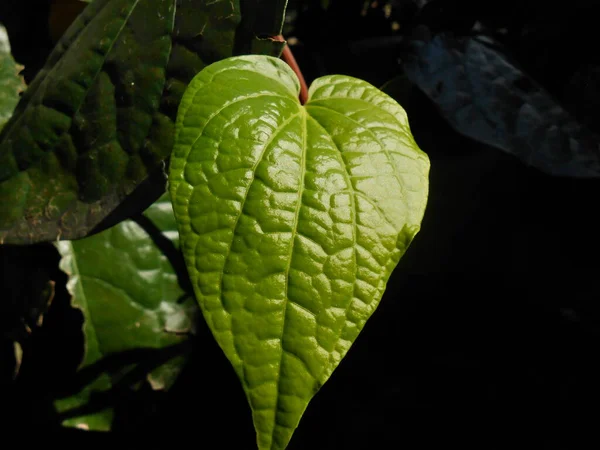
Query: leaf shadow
point(146, 193)
point(172, 253)
point(143, 362)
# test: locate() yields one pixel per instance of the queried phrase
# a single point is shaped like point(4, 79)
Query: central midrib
point(287, 272)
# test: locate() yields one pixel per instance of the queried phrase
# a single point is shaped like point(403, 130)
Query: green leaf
point(130, 297)
point(292, 219)
point(97, 122)
point(11, 83)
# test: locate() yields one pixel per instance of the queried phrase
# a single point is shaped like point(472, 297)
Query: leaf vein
point(354, 232)
point(289, 266)
point(375, 138)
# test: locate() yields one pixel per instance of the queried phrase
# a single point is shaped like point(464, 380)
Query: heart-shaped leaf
point(292, 219)
point(97, 122)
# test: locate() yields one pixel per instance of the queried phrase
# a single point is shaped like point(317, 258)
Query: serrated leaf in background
point(137, 317)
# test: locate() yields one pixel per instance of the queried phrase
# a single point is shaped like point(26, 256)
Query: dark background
point(488, 333)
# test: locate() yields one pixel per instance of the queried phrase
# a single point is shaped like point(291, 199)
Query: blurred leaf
point(11, 83)
point(18, 358)
point(136, 325)
point(86, 146)
point(488, 98)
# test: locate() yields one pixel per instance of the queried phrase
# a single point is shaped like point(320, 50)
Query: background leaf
point(292, 219)
point(97, 122)
point(137, 317)
point(11, 83)
point(486, 97)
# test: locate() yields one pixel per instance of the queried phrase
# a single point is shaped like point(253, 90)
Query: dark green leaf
point(98, 120)
point(488, 98)
point(292, 219)
point(134, 317)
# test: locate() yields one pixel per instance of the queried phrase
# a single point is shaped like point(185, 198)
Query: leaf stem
point(288, 57)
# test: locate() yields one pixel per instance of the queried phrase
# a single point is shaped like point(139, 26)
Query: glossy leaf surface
point(131, 300)
point(292, 219)
point(98, 120)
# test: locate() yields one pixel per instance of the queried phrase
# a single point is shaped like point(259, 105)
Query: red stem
point(288, 57)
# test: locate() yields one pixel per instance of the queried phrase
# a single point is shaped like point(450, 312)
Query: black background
point(488, 333)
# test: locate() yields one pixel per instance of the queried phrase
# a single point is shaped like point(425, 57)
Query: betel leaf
point(97, 122)
point(136, 326)
point(11, 83)
point(292, 219)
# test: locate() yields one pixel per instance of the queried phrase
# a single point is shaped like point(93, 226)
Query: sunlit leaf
point(292, 219)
